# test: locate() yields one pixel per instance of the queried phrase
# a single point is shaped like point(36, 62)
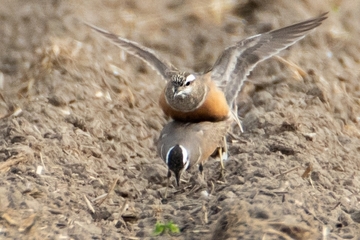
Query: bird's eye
point(189, 79)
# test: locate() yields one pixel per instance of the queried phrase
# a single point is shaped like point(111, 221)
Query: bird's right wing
point(236, 62)
point(146, 54)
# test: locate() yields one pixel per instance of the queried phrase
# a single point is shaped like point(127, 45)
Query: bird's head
point(182, 84)
point(185, 91)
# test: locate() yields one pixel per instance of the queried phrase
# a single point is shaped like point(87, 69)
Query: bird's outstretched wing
point(147, 55)
point(236, 62)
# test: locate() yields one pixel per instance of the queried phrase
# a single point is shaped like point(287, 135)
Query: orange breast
point(214, 108)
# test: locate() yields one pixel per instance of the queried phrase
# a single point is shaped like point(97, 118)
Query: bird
point(182, 145)
point(202, 104)
point(209, 96)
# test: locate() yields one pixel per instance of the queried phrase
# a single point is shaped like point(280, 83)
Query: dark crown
point(179, 78)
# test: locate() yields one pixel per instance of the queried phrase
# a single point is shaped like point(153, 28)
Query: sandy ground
point(79, 118)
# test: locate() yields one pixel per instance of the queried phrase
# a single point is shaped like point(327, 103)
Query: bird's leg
point(225, 153)
point(201, 170)
point(223, 156)
point(202, 182)
point(222, 171)
point(167, 184)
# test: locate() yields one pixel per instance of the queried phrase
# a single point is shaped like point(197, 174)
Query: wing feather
point(236, 62)
point(146, 54)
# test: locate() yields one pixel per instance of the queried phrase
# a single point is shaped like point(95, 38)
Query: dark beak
point(175, 89)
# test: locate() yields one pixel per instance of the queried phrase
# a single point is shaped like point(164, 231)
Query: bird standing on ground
point(182, 145)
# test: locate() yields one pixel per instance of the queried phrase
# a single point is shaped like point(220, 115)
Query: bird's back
point(200, 139)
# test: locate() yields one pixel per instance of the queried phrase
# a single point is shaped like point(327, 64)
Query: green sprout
point(169, 227)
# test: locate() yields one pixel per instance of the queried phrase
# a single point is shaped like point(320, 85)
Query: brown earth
point(79, 119)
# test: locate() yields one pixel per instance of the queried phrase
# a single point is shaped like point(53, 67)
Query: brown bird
point(196, 97)
point(182, 145)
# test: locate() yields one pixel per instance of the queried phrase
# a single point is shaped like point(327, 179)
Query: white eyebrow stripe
point(190, 78)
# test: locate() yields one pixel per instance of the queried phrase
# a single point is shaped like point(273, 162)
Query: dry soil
point(78, 120)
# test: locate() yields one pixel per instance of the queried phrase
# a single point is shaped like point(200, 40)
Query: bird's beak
point(181, 93)
point(178, 93)
point(175, 91)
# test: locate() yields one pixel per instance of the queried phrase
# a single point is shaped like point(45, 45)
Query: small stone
point(355, 216)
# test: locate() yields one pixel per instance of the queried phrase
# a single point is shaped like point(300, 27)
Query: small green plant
point(169, 227)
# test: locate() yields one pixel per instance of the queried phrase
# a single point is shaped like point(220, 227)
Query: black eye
point(187, 83)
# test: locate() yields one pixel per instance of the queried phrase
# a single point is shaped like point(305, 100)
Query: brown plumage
point(207, 111)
